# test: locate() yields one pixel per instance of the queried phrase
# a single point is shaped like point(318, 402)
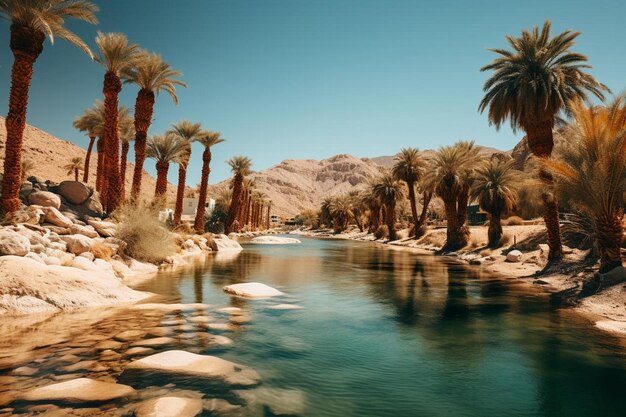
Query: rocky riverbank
point(524, 257)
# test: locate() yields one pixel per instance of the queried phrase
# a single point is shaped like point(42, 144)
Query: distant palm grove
point(539, 85)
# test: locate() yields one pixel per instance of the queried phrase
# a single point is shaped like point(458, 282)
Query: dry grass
point(381, 232)
point(102, 251)
point(147, 238)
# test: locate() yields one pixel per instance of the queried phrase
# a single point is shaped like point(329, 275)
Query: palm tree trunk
point(26, 45)
point(144, 107)
point(180, 193)
point(123, 162)
point(92, 139)
point(76, 174)
point(111, 193)
point(267, 218)
point(463, 229)
point(541, 142)
point(235, 203)
point(161, 183)
point(248, 210)
point(427, 197)
point(391, 222)
point(204, 185)
point(610, 233)
point(495, 230)
point(454, 239)
point(413, 203)
point(100, 167)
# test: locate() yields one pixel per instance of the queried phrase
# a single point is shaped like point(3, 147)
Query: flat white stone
point(231, 310)
point(170, 407)
point(181, 363)
point(274, 240)
point(252, 290)
point(156, 341)
point(79, 390)
point(285, 307)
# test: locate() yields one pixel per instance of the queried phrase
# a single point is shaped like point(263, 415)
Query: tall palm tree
point(530, 85)
point(126, 132)
point(358, 207)
point(87, 122)
point(452, 177)
point(116, 56)
point(389, 192)
point(495, 189)
point(164, 149)
point(341, 212)
point(375, 210)
point(74, 167)
point(409, 168)
point(152, 75)
point(590, 172)
point(208, 139)
point(31, 22)
point(186, 132)
point(240, 167)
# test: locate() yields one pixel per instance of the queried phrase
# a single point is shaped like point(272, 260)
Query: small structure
point(274, 220)
point(475, 216)
point(190, 205)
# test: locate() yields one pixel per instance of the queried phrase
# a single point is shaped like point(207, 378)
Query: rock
point(129, 335)
point(231, 310)
point(108, 344)
point(84, 230)
point(12, 243)
point(61, 231)
point(55, 217)
point(200, 319)
point(170, 407)
point(51, 260)
point(105, 229)
point(45, 199)
point(476, 261)
point(252, 290)
point(224, 244)
point(156, 341)
point(543, 250)
point(79, 390)
point(35, 257)
point(77, 244)
point(514, 256)
point(274, 240)
point(24, 371)
point(285, 307)
point(87, 255)
point(84, 264)
point(92, 207)
point(75, 192)
point(139, 351)
point(202, 368)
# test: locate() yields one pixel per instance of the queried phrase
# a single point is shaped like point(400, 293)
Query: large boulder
point(77, 244)
point(74, 192)
point(45, 198)
point(170, 407)
point(55, 217)
point(514, 256)
point(78, 391)
point(190, 366)
point(12, 243)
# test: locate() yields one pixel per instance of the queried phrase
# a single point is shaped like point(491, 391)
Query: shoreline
point(606, 311)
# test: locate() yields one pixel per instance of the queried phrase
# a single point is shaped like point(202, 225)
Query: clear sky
point(291, 79)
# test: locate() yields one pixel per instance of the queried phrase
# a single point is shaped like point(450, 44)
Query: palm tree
point(126, 132)
point(341, 212)
point(87, 122)
point(31, 22)
point(451, 175)
point(186, 133)
point(495, 189)
point(389, 192)
point(529, 86)
point(208, 139)
point(74, 167)
point(375, 209)
point(152, 75)
point(164, 149)
point(240, 166)
point(409, 168)
point(590, 173)
point(358, 207)
point(116, 56)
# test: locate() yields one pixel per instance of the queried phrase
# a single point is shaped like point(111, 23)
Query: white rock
point(77, 244)
point(106, 229)
point(103, 265)
point(274, 240)
point(84, 264)
point(285, 307)
point(170, 407)
point(35, 257)
point(79, 390)
point(45, 198)
point(51, 260)
point(224, 244)
point(514, 256)
point(12, 243)
point(88, 255)
point(181, 363)
point(55, 217)
point(88, 231)
point(252, 290)
point(231, 310)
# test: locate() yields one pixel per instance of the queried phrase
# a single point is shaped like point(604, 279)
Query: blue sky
point(291, 79)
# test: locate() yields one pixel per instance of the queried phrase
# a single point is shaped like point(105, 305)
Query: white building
point(190, 205)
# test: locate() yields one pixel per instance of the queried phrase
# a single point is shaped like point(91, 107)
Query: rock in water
point(514, 256)
point(79, 390)
point(170, 407)
point(274, 240)
point(74, 191)
point(12, 243)
point(45, 198)
point(252, 290)
point(203, 368)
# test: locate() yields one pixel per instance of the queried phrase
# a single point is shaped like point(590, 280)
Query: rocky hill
point(50, 154)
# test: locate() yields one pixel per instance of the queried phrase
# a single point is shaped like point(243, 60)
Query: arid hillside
point(50, 154)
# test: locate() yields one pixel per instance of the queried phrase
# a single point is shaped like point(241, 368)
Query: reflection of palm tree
point(197, 285)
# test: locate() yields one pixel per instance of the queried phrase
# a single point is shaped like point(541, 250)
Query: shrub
point(513, 221)
point(102, 251)
point(146, 237)
point(381, 232)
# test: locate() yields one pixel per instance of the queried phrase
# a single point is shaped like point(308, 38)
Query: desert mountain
point(50, 154)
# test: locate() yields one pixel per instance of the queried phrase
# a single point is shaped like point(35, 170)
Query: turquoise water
point(389, 333)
